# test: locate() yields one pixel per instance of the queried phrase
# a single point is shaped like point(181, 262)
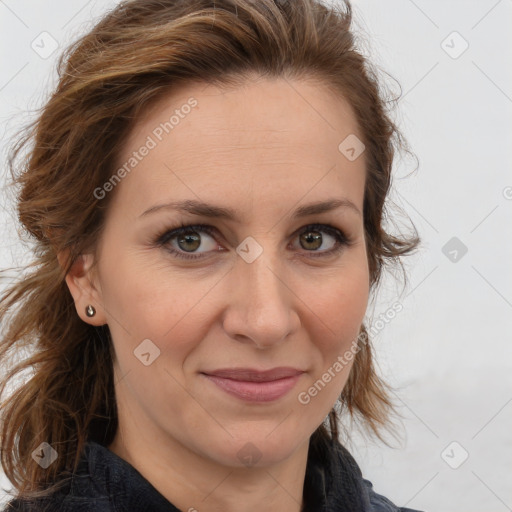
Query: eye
point(184, 242)
point(312, 239)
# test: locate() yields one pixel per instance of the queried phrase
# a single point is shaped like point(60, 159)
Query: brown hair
point(134, 55)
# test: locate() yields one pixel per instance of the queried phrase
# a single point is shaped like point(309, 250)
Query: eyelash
point(164, 238)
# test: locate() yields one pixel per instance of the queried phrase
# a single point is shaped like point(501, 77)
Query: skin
point(263, 148)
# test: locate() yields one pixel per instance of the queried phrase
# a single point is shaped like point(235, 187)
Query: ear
point(84, 287)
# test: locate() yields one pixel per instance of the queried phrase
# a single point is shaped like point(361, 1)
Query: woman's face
point(256, 290)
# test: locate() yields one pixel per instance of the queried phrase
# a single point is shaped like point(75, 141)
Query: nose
point(262, 308)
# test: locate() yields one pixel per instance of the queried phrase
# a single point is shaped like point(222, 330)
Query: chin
point(257, 449)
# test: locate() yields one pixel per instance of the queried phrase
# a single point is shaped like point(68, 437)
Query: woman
point(206, 192)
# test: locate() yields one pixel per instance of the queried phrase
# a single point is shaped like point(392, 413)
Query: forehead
point(265, 137)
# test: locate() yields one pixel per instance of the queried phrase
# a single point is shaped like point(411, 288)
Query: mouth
point(255, 385)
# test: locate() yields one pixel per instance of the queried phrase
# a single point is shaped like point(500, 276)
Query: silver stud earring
point(90, 311)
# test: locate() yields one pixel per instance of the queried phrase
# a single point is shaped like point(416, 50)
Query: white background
point(449, 352)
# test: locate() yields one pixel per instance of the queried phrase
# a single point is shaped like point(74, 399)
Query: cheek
point(339, 305)
point(339, 302)
point(346, 311)
point(143, 296)
point(144, 302)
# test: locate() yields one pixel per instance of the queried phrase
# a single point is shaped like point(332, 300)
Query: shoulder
point(103, 482)
point(380, 503)
point(58, 503)
point(344, 468)
point(86, 490)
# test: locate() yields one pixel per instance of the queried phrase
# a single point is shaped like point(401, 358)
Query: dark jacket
point(104, 482)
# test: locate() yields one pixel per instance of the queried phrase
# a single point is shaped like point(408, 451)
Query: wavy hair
point(134, 55)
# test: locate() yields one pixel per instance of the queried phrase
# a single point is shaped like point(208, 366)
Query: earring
point(90, 311)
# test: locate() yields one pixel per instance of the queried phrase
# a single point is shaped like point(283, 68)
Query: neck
point(196, 484)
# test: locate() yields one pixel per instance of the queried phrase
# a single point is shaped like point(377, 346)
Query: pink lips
point(253, 385)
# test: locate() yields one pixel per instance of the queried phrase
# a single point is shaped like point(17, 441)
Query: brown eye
point(314, 236)
point(189, 242)
point(311, 240)
point(184, 242)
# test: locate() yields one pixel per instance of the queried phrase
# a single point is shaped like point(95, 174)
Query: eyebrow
point(214, 211)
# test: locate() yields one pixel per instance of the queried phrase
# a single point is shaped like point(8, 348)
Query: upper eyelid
point(210, 228)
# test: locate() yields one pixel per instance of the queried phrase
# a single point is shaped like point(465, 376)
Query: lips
point(255, 385)
point(252, 375)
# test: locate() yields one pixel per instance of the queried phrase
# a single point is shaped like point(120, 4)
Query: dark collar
point(105, 481)
point(333, 482)
point(104, 475)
